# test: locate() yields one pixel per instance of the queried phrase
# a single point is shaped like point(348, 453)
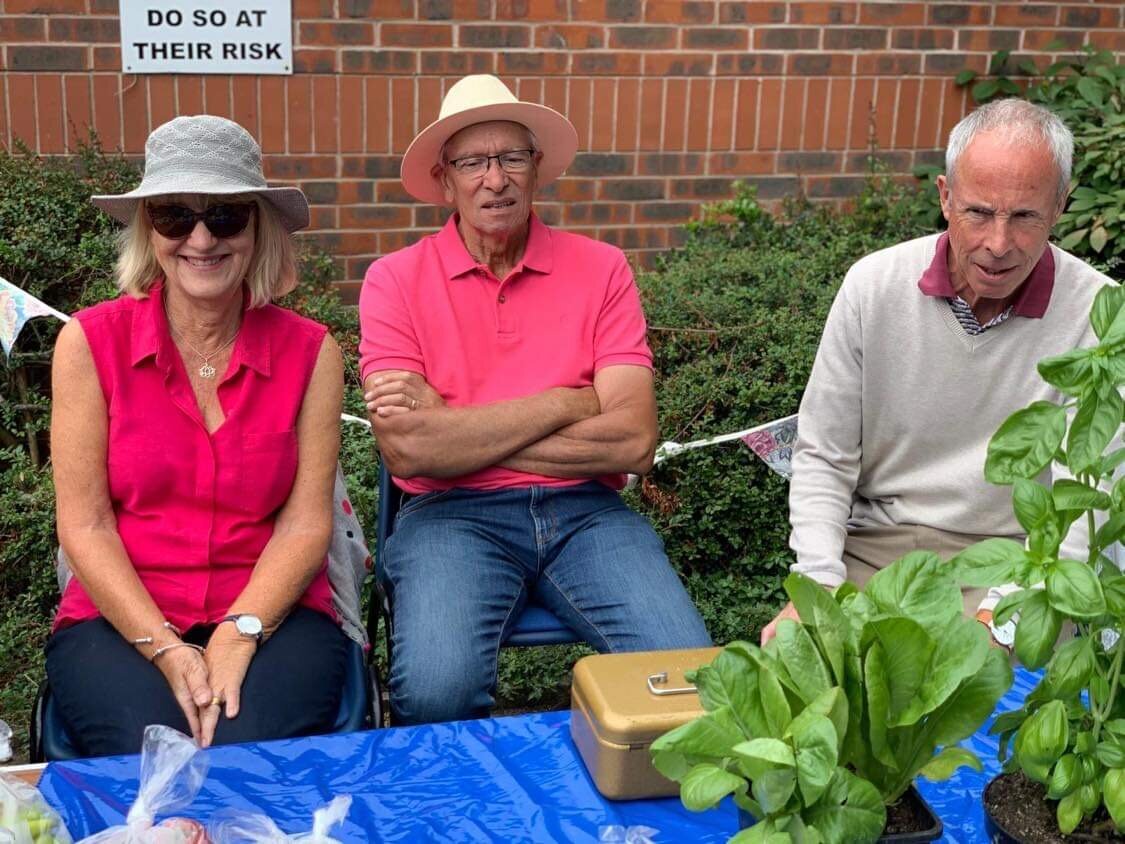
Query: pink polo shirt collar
point(538, 253)
point(1031, 301)
point(152, 336)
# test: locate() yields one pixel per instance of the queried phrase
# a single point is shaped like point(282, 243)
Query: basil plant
point(833, 719)
point(1070, 733)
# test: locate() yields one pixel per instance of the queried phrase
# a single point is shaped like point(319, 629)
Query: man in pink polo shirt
point(510, 389)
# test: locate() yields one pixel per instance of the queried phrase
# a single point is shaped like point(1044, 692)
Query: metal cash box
point(620, 703)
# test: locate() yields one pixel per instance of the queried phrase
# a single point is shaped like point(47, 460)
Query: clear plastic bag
point(5, 742)
point(172, 772)
point(26, 818)
point(238, 828)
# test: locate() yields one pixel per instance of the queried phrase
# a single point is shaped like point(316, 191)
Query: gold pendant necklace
point(206, 370)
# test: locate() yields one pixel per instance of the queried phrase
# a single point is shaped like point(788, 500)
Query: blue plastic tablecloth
point(498, 780)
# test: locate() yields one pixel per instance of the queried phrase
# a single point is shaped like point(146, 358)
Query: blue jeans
point(461, 564)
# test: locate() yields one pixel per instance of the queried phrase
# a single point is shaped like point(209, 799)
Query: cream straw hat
point(479, 99)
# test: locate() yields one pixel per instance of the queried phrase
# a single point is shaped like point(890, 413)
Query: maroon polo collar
point(1032, 297)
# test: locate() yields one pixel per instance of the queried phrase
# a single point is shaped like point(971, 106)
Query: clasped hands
point(208, 683)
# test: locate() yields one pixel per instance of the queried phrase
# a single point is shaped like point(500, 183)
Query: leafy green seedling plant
point(833, 719)
point(1070, 733)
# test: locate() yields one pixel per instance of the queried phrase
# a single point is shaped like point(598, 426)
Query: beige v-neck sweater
point(901, 403)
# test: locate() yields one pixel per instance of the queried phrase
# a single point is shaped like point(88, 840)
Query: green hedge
point(736, 316)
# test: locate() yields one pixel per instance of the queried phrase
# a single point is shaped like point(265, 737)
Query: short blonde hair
point(273, 266)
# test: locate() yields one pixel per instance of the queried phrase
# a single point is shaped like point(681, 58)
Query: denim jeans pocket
point(417, 502)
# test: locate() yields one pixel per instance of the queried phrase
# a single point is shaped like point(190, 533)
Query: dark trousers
point(108, 693)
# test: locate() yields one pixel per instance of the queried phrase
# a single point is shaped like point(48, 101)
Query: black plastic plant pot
point(932, 831)
point(997, 833)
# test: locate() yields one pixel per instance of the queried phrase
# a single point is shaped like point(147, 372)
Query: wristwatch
point(246, 624)
point(1003, 634)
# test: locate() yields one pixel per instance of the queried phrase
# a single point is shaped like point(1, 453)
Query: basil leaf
point(1037, 630)
point(1108, 303)
point(1065, 778)
point(1023, 446)
point(1068, 372)
point(1113, 793)
point(1073, 495)
point(1071, 667)
point(1074, 589)
point(992, 562)
point(1095, 422)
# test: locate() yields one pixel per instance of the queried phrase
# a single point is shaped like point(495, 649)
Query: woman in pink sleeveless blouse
point(195, 435)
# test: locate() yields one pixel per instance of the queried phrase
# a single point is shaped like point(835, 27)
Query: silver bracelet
point(165, 648)
point(147, 640)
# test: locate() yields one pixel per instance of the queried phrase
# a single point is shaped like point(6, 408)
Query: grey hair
point(1023, 123)
point(530, 135)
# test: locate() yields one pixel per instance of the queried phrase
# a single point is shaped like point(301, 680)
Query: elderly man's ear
point(441, 174)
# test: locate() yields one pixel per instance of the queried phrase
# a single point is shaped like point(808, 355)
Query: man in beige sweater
point(929, 346)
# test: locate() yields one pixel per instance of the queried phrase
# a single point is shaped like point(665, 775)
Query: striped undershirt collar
point(969, 322)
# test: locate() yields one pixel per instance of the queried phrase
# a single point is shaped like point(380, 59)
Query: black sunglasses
point(178, 221)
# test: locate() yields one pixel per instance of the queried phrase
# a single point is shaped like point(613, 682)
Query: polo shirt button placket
point(505, 321)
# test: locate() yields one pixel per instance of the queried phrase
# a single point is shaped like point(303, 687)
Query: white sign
point(206, 36)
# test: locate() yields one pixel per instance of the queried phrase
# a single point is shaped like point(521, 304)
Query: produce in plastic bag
point(172, 772)
point(5, 742)
point(25, 817)
point(237, 828)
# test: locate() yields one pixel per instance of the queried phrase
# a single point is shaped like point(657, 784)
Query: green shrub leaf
point(1023, 446)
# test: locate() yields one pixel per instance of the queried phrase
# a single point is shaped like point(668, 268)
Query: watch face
point(1005, 634)
point(248, 625)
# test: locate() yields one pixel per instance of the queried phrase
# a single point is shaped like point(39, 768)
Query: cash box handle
point(660, 679)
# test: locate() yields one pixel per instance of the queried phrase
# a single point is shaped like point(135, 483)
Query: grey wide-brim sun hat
point(205, 154)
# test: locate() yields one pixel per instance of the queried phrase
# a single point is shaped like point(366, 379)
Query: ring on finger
point(414, 404)
point(215, 701)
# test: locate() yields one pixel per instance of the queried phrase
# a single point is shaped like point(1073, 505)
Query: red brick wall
point(673, 99)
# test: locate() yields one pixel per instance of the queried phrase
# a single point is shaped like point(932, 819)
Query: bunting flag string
point(771, 441)
point(16, 308)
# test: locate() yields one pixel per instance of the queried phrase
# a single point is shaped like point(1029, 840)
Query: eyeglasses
point(512, 161)
point(178, 221)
